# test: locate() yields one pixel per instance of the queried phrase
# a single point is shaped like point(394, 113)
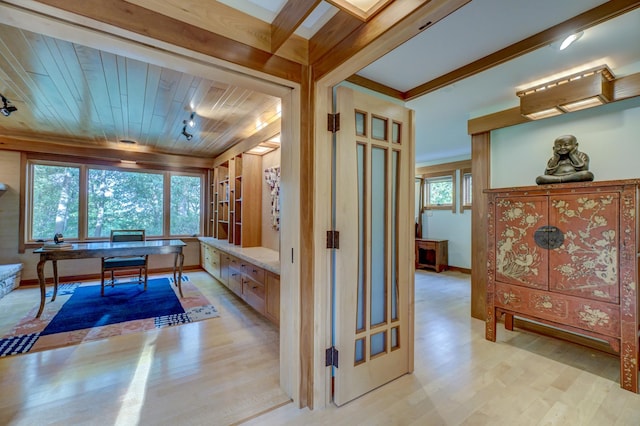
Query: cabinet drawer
point(597, 317)
point(235, 281)
point(426, 245)
point(253, 294)
point(254, 272)
point(234, 262)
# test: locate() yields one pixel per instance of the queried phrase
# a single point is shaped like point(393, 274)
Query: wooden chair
point(128, 263)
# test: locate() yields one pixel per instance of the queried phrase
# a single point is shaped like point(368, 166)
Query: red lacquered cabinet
point(566, 255)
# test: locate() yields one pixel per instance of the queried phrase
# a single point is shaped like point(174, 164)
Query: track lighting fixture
point(186, 134)
point(190, 123)
point(6, 108)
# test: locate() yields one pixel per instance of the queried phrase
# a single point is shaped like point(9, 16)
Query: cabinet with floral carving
point(566, 256)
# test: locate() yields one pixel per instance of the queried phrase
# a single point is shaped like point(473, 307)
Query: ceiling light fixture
point(7, 108)
point(191, 123)
point(578, 91)
point(361, 9)
point(569, 40)
point(186, 134)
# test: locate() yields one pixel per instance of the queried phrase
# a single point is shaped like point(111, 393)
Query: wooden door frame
point(58, 24)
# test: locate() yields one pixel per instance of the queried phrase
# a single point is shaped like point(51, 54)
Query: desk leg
point(42, 286)
point(178, 263)
point(55, 279)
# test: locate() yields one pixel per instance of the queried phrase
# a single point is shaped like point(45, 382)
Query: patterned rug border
point(25, 336)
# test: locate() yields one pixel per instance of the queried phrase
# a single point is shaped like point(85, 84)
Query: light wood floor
point(462, 379)
point(220, 371)
point(214, 372)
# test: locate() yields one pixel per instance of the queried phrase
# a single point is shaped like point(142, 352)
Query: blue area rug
point(87, 309)
point(80, 314)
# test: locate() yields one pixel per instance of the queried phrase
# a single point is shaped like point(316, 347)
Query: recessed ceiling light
point(570, 40)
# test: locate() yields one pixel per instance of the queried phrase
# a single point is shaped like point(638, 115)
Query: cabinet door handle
point(255, 271)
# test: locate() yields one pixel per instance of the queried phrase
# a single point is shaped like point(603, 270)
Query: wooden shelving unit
point(221, 215)
point(237, 201)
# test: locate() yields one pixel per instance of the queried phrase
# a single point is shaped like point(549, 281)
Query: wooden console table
point(92, 250)
point(433, 254)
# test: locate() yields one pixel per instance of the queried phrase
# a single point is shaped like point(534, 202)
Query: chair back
point(123, 235)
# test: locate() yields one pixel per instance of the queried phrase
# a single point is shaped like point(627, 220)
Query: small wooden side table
point(433, 254)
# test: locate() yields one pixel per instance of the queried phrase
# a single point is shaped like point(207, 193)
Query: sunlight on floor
point(133, 399)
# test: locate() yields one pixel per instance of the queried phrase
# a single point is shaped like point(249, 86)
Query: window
point(439, 191)
point(466, 184)
point(185, 205)
point(164, 203)
point(124, 200)
point(54, 201)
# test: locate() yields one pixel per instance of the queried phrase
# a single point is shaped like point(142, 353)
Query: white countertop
point(260, 256)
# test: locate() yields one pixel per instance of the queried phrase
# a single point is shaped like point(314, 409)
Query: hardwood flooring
point(224, 371)
point(462, 379)
point(213, 372)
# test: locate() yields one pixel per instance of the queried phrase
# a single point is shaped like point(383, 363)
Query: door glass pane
point(378, 236)
point(394, 338)
point(360, 313)
point(379, 128)
point(395, 132)
point(378, 343)
point(361, 123)
point(394, 235)
point(359, 357)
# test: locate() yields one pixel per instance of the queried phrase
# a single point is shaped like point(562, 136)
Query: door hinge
point(331, 357)
point(333, 239)
point(333, 122)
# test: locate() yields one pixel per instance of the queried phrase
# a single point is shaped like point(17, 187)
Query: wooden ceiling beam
point(109, 154)
point(152, 24)
point(407, 18)
point(375, 86)
point(288, 20)
point(592, 17)
point(333, 32)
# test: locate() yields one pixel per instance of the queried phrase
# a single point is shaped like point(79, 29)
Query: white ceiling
point(474, 31)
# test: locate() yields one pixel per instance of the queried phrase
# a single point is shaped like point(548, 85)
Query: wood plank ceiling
point(67, 93)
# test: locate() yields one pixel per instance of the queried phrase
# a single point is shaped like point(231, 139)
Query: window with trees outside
point(466, 184)
point(84, 201)
point(439, 191)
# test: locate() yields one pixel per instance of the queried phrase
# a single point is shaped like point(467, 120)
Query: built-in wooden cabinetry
point(256, 285)
point(566, 256)
point(236, 201)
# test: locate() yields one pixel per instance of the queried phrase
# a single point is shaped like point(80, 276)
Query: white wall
point(609, 134)
point(455, 227)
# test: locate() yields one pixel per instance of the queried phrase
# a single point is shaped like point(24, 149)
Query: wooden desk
point(107, 249)
point(433, 254)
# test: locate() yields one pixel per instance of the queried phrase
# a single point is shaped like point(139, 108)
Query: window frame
point(466, 202)
point(84, 165)
point(445, 174)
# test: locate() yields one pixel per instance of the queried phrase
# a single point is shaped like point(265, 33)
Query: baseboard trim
point(459, 269)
